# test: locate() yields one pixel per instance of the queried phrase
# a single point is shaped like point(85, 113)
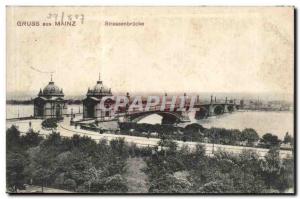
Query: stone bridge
point(215, 108)
point(205, 109)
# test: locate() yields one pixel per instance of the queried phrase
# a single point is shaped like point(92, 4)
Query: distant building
point(91, 104)
point(50, 102)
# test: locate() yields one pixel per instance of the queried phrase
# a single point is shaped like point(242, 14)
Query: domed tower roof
point(51, 90)
point(99, 90)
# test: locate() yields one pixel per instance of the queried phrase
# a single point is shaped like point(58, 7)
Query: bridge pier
point(210, 107)
point(211, 110)
point(214, 108)
point(226, 108)
point(234, 108)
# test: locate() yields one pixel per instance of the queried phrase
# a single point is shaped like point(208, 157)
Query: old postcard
point(150, 100)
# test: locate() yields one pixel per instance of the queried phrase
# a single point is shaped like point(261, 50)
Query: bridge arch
point(230, 108)
point(218, 110)
point(203, 112)
point(167, 117)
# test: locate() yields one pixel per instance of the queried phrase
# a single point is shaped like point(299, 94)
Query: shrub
point(50, 123)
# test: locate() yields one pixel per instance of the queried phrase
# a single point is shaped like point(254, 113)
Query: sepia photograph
point(150, 100)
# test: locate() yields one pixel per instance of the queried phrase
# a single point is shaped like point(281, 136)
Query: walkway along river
point(68, 131)
point(210, 149)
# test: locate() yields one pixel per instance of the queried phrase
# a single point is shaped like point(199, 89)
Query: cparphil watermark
point(118, 104)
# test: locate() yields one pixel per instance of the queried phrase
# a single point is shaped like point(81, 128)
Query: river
point(277, 123)
point(13, 111)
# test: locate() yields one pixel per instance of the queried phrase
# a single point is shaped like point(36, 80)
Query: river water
point(277, 123)
point(12, 111)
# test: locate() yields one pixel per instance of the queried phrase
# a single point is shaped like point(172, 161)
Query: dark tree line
point(197, 133)
point(76, 163)
point(81, 164)
point(173, 170)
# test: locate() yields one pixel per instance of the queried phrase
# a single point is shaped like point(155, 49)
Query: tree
point(115, 184)
point(30, 139)
point(278, 174)
point(249, 161)
point(288, 138)
point(247, 173)
point(70, 184)
point(193, 132)
point(15, 178)
point(270, 140)
point(218, 186)
point(286, 178)
point(167, 183)
point(49, 123)
point(94, 179)
point(168, 143)
point(246, 182)
point(270, 167)
point(195, 159)
point(119, 147)
point(53, 139)
point(213, 134)
point(13, 138)
point(249, 135)
point(41, 168)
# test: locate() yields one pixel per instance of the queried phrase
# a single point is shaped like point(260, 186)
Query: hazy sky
point(187, 49)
